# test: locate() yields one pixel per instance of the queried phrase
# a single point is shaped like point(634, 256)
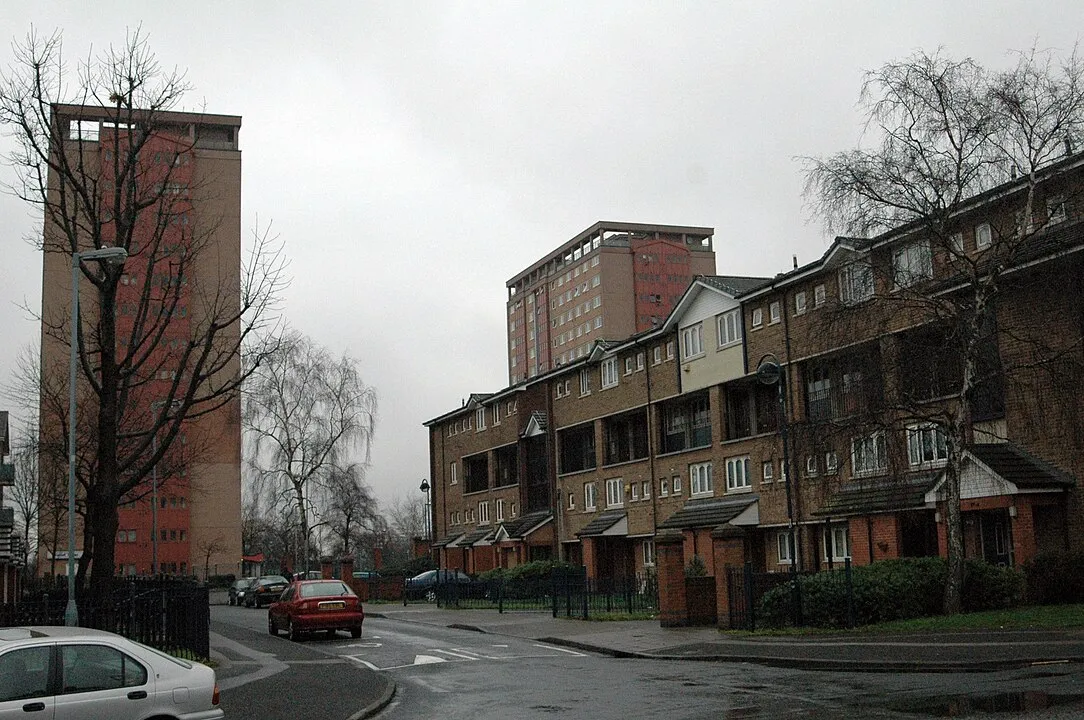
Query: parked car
point(238, 589)
point(265, 590)
point(366, 575)
point(310, 575)
point(425, 584)
point(79, 672)
point(309, 605)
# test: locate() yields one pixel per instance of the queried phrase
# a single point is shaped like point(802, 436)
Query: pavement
point(854, 651)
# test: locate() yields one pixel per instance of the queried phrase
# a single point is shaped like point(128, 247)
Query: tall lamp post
point(770, 372)
point(111, 256)
point(425, 488)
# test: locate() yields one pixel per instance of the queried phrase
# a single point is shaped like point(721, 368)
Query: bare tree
point(350, 508)
point(941, 133)
point(307, 413)
point(98, 183)
point(24, 493)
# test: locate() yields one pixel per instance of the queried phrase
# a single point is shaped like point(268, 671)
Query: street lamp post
point(770, 372)
point(112, 256)
point(425, 488)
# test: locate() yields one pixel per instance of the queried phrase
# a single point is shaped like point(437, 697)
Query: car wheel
point(355, 632)
point(431, 596)
point(292, 631)
point(271, 625)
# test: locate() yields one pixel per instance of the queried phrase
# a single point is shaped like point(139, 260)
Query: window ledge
point(739, 491)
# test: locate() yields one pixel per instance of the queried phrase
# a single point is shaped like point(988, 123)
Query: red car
point(309, 605)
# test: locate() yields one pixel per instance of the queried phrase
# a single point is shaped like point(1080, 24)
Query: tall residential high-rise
point(610, 281)
point(182, 276)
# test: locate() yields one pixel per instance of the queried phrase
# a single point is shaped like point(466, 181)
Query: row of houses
point(817, 410)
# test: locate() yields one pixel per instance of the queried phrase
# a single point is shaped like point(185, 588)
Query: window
point(784, 544)
point(686, 423)
point(89, 668)
point(767, 471)
point(831, 463)
point(572, 501)
point(773, 313)
point(868, 454)
point(729, 328)
point(670, 350)
point(956, 243)
point(855, 283)
point(1055, 210)
point(481, 420)
point(664, 487)
point(645, 487)
point(25, 674)
point(818, 296)
point(585, 382)
point(576, 446)
point(628, 366)
point(782, 471)
point(926, 445)
point(649, 553)
point(836, 543)
point(589, 496)
point(692, 341)
point(758, 317)
point(656, 355)
point(598, 322)
point(810, 465)
point(609, 372)
point(911, 264)
point(799, 303)
point(483, 512)
point(984, 236)
point(615, 492)
point(737, 473)
point(625, 437)
point(500, 510)
point(512, 509)
point(639, 361)
point(675, 484)
point(634, 492)
point(452, 477)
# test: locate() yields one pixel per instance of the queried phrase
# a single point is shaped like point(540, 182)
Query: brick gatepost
point(728, 549)
point(670, 564)
point(346, 570)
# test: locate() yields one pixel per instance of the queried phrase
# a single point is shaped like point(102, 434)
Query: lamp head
point(424, 486)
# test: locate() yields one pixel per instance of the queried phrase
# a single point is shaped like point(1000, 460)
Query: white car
point(71, 673)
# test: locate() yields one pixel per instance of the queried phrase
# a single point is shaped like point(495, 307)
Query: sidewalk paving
point(852, 651)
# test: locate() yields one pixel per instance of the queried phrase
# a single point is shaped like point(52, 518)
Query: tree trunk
point(954, 526)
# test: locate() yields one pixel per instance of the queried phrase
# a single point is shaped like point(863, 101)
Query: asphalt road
point(463, 675)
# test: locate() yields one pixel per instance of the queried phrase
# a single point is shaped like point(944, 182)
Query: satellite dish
point(768, 371)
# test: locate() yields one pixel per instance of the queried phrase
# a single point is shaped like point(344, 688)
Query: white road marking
point(458, 655)
point(366, 663)
point(428, 659)
point(363, 645)
point(564, 650)
point(495, 645)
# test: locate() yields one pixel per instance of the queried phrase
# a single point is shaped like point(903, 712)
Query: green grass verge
point(618, 616)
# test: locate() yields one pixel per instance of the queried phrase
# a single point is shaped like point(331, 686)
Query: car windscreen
point(323, 589)
point(272, 580)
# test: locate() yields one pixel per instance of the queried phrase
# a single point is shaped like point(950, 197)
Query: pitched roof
point(474, 536)
point(525, 524)
point(447, 540)
point(734, 285)
point(603, 522)
point(1019, 467)
point(879, 495)
point(709, 512)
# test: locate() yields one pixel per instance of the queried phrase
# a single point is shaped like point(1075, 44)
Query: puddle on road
point(964, 705)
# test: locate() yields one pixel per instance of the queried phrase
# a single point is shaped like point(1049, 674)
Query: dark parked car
point(425, 584)
point(309, 605)
point(265, 590)
point(238, 589)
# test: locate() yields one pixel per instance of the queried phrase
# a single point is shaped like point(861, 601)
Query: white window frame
point(839, 537)
point(1055, 210)
point(645, 488)
point(831, 463)
point(615, 492)
point(670, 350)
point(728, 326)
point(628, 366)
point(483, 512)
point(675, 485)
point(956, 243)
point(984, 236)
point(664, 487)
point(608, 370)
point(649, 553)
point(701, 482)
point(775, 312)
point(639, 361)
point(656, 356)
point(820, 294)
point(869, 455)
point(692, 341)
point(585, 381)
point(856, 283)
point(737, 474)
point(911, 264)
point(590, 496)
point(634, 492)
point(926, 445)
point(497, 414)
point(767, 471)
point(800, 304)
point(757, 317)
point(500, 510)
point(572, 501)
point(784, 547)
point(454, 479)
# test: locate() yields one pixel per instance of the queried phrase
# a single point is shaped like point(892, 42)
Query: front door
point(996, 537)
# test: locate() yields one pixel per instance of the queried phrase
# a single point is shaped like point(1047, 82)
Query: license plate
point(332, 606)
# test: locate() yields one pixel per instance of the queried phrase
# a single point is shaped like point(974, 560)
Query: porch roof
point(879, 495)
point(1021, 468)
point(709, 512)
point(524, 525)
point(475, 537)
point(447, 540)
point(603, 522)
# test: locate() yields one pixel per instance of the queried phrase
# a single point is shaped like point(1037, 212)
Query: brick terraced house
point(670, 433)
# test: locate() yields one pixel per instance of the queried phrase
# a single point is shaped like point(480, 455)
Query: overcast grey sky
point(416, 155)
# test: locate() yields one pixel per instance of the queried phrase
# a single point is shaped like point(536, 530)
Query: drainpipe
point(651, 451)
